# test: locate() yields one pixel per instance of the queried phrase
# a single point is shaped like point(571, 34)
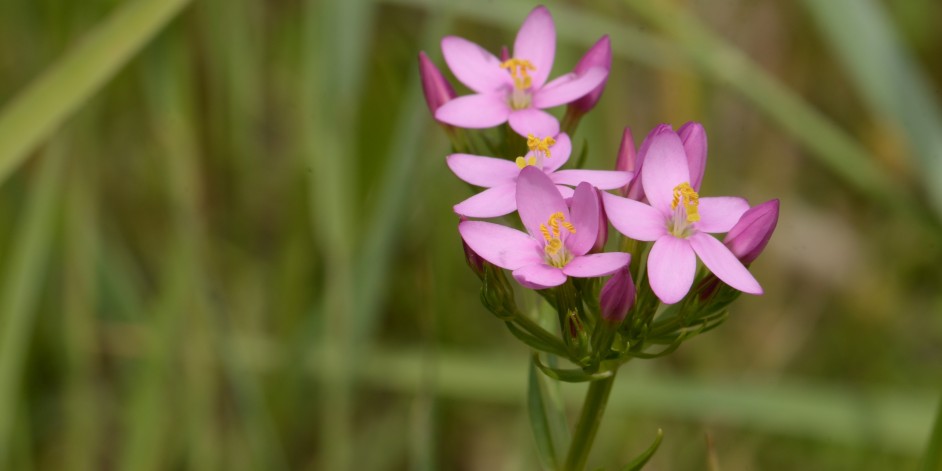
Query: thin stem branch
point(593, 408)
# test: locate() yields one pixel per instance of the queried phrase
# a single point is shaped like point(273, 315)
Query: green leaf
point(547, 419)
point(556, 348)
point(570, 375)
point(642, 459)
point(932, 460)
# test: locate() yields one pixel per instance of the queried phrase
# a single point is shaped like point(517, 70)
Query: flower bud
point(602, 236)
point(504, 54)
point(473, 259)
point(627, 159)
point(599, 55)
point(635, 190)
point(436, 88)
point(695, 146)
point(750, 235)
point(617, 296)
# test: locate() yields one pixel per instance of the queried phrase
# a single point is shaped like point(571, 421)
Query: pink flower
point(500, 176)
point(437, 90)
point(679, 222)
point(557, 241)
point(513, 90)
point(695, 150)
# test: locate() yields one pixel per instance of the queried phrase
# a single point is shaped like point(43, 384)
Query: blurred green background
point(227, 237)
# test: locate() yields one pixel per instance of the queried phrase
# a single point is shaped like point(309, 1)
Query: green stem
point(593, 408)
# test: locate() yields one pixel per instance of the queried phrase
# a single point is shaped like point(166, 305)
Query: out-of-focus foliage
point(239, 253)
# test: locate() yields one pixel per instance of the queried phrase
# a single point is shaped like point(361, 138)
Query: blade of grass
point(22, 282)
point(888, 77)
point(932, 458)
point(69, 82)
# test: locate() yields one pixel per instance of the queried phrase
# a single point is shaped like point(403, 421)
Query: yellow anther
point(546, 232)
point(531, 161)
point(553, 246)
point(569, 227)
point(521, 162)
point(536, 144)
point(691, 201)
point(519, 71)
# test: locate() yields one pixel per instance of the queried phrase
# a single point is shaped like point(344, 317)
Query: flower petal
point(665, 167)
point(570, 90)
point(634, 219)
point(601, 179)
point(537, 199)
point(536, 42)
point(533, 121)
point(539, 276)
point(559, 153)
point(585, 219)
point(483, 171)
point(474, 66)
point(720, 213)
point(505, 247)
point(723, 263)
point(490, 203)
point(671, 267)
point(566, 192)
point(597, 264)
point(695, 146)
point(475, 111)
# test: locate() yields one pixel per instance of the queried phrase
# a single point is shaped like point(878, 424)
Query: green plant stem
point(593, 408)
point(932, 459)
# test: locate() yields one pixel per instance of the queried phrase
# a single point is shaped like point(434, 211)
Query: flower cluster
point(656, 296)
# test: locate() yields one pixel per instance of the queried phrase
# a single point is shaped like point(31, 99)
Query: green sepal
point(639, 462)
point(549, 345)
point(570, 375)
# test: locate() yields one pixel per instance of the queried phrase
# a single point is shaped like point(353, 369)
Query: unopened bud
point(695, 146)
point(471, 257)
point(504, 54)
point(599, 55)
point(602, 236)
point(436, 88)
point(617, 296)
point(635, 189)
point(750, 235)
point(627, 159)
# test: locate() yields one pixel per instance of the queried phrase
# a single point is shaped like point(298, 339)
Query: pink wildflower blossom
point(500, 176)
point(679, 222)
point(557, 240)
point(515, 89)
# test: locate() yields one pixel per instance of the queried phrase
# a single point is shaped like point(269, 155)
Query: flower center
point(556, 253)
point(686, 205)
point(519, 70)
point(539, 149)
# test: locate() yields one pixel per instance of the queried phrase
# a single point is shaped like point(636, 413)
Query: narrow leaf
point(642, 459)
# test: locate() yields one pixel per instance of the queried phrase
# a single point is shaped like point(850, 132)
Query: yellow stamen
point(521, 162)
point(553, 246)
point(519, 72)
point(546, 232)
point(542, 145)
point(691, 201)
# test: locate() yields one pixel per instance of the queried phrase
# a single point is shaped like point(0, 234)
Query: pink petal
point(634, 219)
point(533, 121)
point(490, 203)
point(536, 42)
point(474, 66)
point(585, 219)
point(475, 111)
point(602, 179)
point(723, 263)
point(483, 171)
point(566, 192)
point(598, 264)
point(665, 167)
point(671, 267)
point(695, 146)
point(505, 247)
point(537, 199)
point(720, 213)
point(570, 90)
point(635, 188)
point(559, 153)
point(599, 55)
point(539, 276)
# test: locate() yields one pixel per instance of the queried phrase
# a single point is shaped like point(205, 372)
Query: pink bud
point(617, 296)
point(635, 190)
point(695, 146)
point(504, 54)
point(437, 90)
point(471, 257)
point(750, 235)
point(602, 236)
point(599, 55)
point(626, 161)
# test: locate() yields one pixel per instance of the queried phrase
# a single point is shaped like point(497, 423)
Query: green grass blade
point(932, 459)
point(642, 459)
point(888, 77)
point(540, 424)
point(48, 101)
point(23, 276)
